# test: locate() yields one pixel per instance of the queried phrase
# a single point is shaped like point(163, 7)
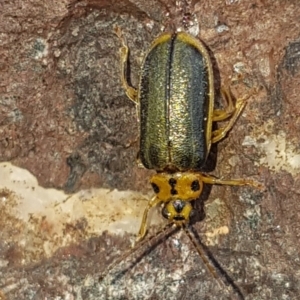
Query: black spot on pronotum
point(172, 183)
point(155, 187)
point(173, 191)
point(195, 186)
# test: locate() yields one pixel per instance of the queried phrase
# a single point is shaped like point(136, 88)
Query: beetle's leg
point(223, 114)
point(220, 133)
point(212, 180)
point(232, 111)
point(142, 232)
point(129, 90)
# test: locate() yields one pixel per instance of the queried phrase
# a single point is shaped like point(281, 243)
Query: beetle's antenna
point(200, 251)
point(214, 268)
point(165, 230)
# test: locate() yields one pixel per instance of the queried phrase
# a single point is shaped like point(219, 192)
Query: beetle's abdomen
point(174, 106)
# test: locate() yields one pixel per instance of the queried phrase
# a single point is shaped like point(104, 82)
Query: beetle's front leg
point(212, 180)
point(142, 232)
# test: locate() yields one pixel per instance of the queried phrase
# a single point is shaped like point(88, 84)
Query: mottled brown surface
point(64, 117)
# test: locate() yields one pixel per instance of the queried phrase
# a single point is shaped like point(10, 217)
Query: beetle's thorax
point(184, 186)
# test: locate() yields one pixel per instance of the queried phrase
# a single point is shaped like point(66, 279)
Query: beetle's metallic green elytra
point(176, 102)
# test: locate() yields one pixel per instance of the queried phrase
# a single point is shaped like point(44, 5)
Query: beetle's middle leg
point(124, 50)
point(232, 111)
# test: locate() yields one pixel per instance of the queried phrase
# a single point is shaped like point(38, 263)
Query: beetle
point(175, 99)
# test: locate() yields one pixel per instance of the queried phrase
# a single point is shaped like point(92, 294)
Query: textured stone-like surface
point(65, 118)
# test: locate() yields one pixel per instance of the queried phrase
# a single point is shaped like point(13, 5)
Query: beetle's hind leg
point(232, 111)
point(223, 114)
point(124, 51)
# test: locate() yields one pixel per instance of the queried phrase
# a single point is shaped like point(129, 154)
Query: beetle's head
point(178, 211)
